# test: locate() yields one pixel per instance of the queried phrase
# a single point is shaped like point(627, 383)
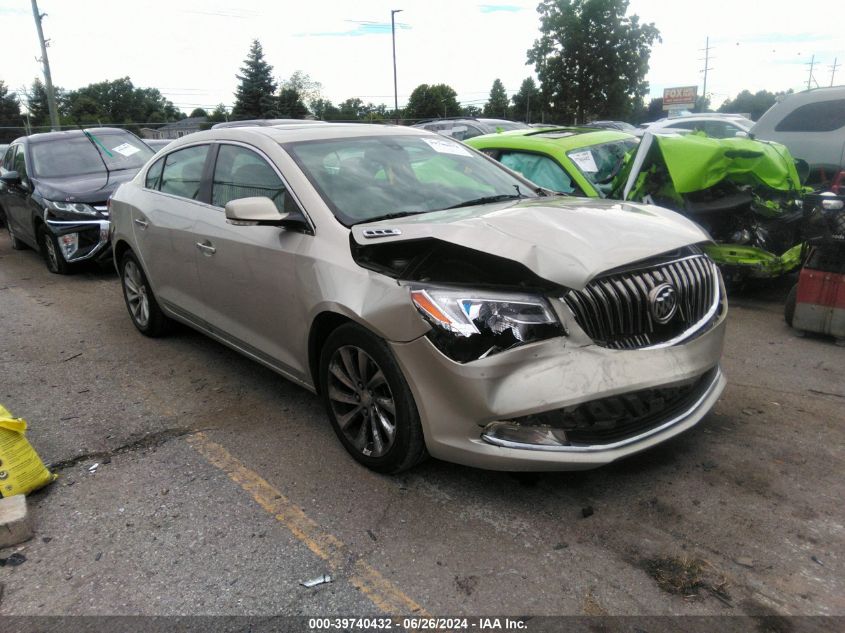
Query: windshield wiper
point(390, 216)
point(486, 200)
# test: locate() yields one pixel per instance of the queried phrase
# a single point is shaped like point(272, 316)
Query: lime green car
point(745, 193)
point(578, 161)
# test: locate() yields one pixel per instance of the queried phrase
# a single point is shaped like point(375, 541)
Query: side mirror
point(262, 211)
point(11, 178)
point(741, 134)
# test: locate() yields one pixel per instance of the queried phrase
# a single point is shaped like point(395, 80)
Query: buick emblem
point(663, 303)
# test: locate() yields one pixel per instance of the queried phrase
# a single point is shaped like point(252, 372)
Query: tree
point(291, 105)
point(433, 101)
point(592, 58)
point(118, 101)
point(10, 115)
point(753, 105)
point(198, 112)
point(352, 110)
point(219, 114)
point(36, 104)
point(472, 111)
point(527, 103)
point(309, 90)
point(654, 111)
point(255, 95)
point(497, 104)
point(324, 109)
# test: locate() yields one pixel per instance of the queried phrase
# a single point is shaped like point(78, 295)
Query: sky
point(191, 50)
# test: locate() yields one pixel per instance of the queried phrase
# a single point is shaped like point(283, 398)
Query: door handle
point(206, 247)
point(142, 223)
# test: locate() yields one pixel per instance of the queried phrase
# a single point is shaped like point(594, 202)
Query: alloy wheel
point(136, 294)
point(361, 401)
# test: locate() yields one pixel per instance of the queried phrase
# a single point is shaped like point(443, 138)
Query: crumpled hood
point(85, 188)
point(564, 240)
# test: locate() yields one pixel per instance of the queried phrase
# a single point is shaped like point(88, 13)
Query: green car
point(745, 193)
point(578, 161)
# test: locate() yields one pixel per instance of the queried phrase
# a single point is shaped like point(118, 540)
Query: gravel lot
point(221, 486)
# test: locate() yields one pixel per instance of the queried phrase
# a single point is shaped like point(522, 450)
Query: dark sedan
point(54, 190)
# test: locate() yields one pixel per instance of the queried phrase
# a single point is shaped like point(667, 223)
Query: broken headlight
point(470, 325)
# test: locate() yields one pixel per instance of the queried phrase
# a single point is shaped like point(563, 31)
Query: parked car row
point(438, 302)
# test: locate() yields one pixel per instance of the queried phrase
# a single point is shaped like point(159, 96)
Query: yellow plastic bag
point(21, 470)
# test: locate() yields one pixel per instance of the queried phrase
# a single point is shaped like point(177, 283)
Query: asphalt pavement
point(220, 486)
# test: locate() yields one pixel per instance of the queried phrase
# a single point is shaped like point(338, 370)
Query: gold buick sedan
point(438, 303)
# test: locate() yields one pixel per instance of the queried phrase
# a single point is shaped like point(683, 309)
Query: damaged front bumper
point(736, 260)
point(81, 240)
point(517, 410)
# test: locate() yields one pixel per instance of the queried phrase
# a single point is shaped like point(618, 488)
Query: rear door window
point(182, 172)
point(824, 116)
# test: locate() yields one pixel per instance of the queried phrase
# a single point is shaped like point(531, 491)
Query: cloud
point(499, 8)
point(362, 28)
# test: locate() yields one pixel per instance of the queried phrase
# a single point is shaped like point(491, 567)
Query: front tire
point(141, 303)
point(368, 401)
point(56, 263)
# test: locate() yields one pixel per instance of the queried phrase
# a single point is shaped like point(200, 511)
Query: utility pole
point(48, 80)
point(393, 13)
point(528, 106)
point(707, 48)
point(810, 78)
point(833, 70)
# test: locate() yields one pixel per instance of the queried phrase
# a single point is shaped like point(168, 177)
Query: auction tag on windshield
point(126, 149)
point(584, 160)
point(444, 146)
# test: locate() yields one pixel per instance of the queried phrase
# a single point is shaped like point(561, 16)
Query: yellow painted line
point(378, 589)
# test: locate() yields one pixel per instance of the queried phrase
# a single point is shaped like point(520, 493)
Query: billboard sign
point(679, 98)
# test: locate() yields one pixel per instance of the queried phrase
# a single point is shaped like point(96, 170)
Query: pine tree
point(290, 104)
point(527, 103)
point(497, 104)
point(10, 115)
point(255, 98)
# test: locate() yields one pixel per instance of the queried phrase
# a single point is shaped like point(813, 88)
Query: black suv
point(54, 190)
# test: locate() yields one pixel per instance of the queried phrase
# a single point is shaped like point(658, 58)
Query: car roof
point(560, 138)
point(42, 137)
point(294, 133)
point(263, 123)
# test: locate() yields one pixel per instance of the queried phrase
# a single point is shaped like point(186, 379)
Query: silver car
point(437, 302)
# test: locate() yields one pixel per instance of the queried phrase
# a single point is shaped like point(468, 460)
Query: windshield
point(601, 163)
point(78, 156)
point(369, 178)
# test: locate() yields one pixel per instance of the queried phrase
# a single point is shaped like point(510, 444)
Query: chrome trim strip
point(596, 448)
point(71, 222)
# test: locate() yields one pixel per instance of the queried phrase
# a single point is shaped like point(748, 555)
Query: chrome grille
point(614, 309)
